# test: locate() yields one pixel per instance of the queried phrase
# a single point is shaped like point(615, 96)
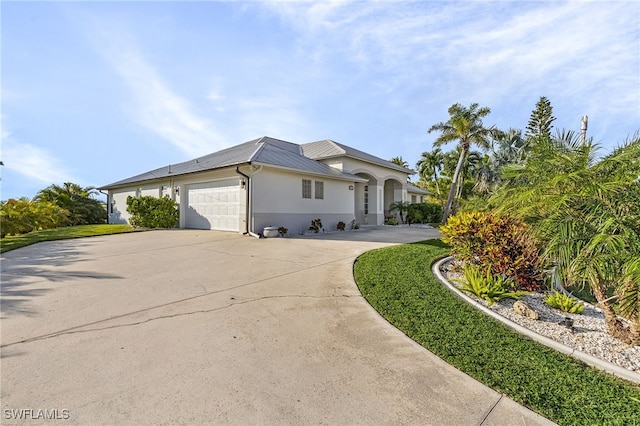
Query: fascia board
point(352, 178)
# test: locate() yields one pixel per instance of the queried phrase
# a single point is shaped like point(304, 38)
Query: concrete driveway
point(204, 327)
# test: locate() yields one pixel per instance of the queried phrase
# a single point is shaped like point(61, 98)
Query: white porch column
point(376, 204)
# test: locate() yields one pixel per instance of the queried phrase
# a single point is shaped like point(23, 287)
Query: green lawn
point(397, 281)
point(17, 241)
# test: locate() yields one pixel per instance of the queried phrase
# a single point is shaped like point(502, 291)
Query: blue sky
point(94, 92)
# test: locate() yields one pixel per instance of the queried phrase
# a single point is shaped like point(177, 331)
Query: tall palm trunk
point(614, 324)
point(634, 331)
point(435, 179)
point(456, 199)
point(454, 183)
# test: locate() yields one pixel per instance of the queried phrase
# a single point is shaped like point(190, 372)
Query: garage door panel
point(213, 205)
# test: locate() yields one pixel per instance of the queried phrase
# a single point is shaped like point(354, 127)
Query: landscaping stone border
point(586, 358)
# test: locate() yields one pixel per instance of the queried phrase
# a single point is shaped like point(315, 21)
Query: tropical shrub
point(152, 212)
point(586, 210)
point(424, 212)
point(564, 302)
point(340, 226)
point(462, 233)
point(20, 216)
point(487, 286)
point(504, 242)
point(414, 215)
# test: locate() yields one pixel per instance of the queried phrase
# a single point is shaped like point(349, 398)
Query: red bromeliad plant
point(501, 241)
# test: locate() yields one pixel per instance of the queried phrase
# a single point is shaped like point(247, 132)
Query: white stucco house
point(271, 182)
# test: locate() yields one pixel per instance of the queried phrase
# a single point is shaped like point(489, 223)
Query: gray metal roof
point(328, 149)
point(416, 190)
point(265, 150)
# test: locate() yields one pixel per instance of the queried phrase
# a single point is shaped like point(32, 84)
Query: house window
point(306, 188)
point(366, 199)
point(319, 190)
point(413, 199)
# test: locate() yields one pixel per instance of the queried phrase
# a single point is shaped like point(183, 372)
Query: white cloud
point(269, 112)
point(581, 54)
point(157, 107)
point(34, 163)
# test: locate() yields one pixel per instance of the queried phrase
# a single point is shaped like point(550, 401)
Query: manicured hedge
point(153, 212)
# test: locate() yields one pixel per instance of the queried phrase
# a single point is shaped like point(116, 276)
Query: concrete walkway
point(203, 327)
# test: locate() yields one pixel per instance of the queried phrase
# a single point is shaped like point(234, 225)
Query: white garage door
point(214, 205)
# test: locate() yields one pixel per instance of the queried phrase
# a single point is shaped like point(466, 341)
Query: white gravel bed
point(588, 335)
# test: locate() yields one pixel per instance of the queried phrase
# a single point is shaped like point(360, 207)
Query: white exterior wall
point(389, 194)
point(419, 198)
point(352, 165)
point(394, 192)
point(152, 190)
point(379, 201)
point(117, 204)
point(277, 201)
point(336, 163)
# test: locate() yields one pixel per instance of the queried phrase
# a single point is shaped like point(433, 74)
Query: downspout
point(247, 231)
point(107, 205)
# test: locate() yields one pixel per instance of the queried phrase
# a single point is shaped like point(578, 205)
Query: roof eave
point(117, 185)
point(397, 168)
point(352, 178)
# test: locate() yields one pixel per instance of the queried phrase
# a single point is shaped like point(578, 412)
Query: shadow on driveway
point(25, 271)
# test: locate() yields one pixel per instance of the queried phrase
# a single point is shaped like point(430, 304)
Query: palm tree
point(470, 168)
point(587, 212)
point(401, 207)
point(509, 148)
point(400, 162)
point(486, 175)
point(465, 126)
point(429, 165)
point(78, 200)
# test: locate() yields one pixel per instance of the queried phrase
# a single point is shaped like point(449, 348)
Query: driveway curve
point(204, 327)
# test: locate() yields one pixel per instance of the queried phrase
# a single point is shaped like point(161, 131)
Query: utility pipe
point(247, 231)
point(107, 204)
